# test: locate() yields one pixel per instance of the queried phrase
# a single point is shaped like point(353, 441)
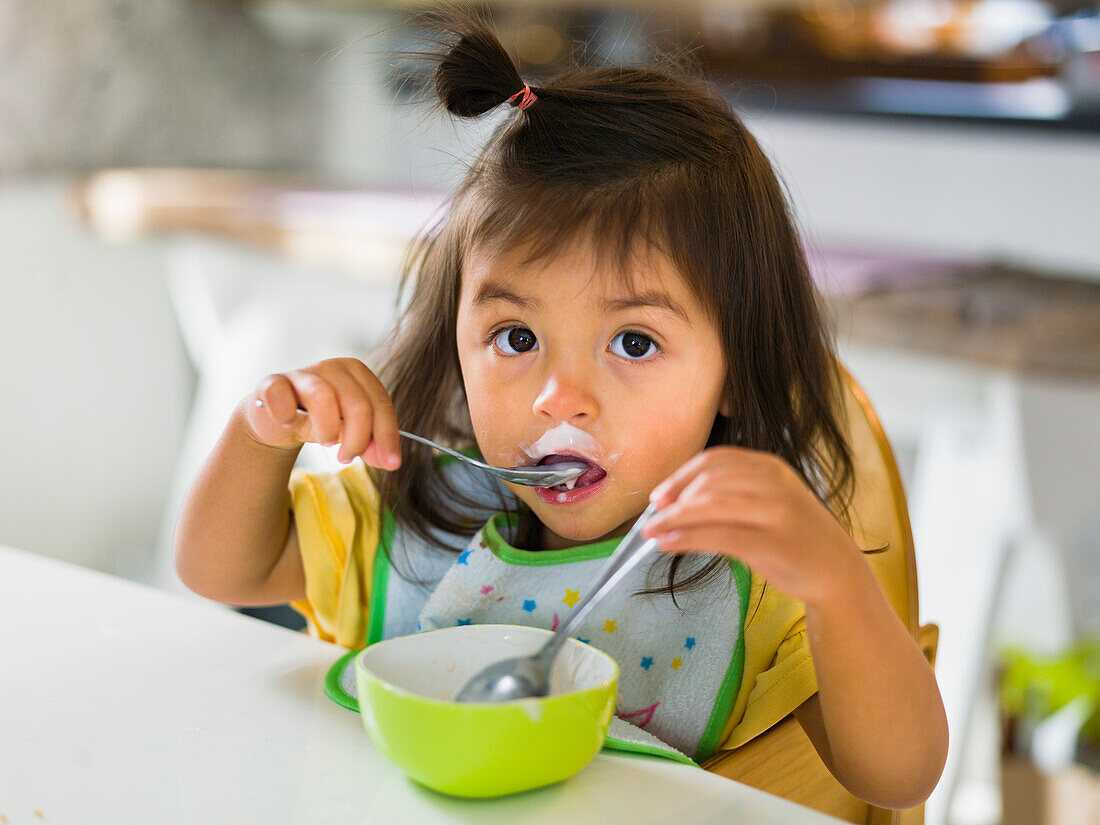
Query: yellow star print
point(571, 597)
point(676, 664)
point(609, 626)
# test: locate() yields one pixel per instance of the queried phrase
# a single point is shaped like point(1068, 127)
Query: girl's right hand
point(338, 400)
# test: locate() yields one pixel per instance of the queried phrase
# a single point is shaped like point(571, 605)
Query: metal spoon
point(525, 676)
point(532, 475)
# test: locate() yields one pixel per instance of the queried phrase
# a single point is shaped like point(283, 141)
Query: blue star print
point(529, 605)
point(647, 662)
point(586, 641)
point(462, 622)
point(465, 554)
point(690, 643)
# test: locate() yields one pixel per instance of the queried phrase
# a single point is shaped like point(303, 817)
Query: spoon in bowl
point(524, 677)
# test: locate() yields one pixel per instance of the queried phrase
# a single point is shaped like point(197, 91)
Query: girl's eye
point(634, 345)
point(515, 341)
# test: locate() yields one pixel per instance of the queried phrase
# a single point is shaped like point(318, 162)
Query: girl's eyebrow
point(643, 300)
point(491, 291)
point(494, 291)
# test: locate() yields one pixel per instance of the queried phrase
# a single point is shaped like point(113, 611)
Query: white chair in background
point(244, 314)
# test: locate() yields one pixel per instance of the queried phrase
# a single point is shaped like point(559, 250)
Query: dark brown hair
point(620, 156)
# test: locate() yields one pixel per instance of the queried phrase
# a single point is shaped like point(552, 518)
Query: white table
point(125, 704)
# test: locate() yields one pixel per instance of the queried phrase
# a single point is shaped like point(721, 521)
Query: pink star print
point(486, 588)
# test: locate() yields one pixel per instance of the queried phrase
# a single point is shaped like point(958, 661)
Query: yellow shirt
point(338, 522)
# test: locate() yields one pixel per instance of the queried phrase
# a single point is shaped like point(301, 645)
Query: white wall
point(1026, 195)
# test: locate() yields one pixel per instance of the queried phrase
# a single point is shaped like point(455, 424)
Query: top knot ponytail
point(475, 74)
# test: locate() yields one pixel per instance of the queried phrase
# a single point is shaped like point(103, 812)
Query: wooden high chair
point(782, 760)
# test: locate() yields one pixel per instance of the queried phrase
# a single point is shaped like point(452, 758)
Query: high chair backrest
point(782, 760)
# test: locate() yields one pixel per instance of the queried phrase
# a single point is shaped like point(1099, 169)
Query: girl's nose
point(565, 398)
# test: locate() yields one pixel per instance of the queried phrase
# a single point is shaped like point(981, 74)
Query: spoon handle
point(427, 442)
point(631, 550)
point(453, 453)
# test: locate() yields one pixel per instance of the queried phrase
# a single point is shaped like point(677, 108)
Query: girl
point(617, 280)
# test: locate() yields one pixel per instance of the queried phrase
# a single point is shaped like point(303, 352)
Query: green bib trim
point(731, 684)
point(536, 558)
point(380, 577)
point(621, 745)
point(380, 574)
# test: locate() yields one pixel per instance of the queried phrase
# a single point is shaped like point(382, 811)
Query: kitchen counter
point(972, 310)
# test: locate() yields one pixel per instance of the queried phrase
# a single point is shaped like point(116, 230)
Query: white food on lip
point(564, 438)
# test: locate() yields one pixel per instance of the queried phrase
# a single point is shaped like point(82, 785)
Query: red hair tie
point(525, 98)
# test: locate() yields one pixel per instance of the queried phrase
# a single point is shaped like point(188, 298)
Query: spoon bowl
point(520, 677)
point(528, 475)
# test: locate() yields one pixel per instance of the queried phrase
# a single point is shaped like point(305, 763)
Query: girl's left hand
point(753, 506)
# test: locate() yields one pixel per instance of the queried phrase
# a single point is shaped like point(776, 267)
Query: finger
point(356, 414)
point(276, 394)
point(669, 490)
point(706, 478)
point(709, 460)
point(724, 540)
point(318, 398)
point(384, 449)
point(721, 508)
point(726, 464)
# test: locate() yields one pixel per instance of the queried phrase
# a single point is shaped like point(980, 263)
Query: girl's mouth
point(584, 486)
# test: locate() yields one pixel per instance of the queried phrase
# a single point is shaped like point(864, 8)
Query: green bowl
point(480, 750)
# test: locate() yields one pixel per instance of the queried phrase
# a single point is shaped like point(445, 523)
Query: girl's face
point(561, 359)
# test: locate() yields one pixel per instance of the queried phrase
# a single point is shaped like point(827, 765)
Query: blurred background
point(196, 193)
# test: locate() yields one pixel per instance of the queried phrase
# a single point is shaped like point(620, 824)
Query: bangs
point(621, 223)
